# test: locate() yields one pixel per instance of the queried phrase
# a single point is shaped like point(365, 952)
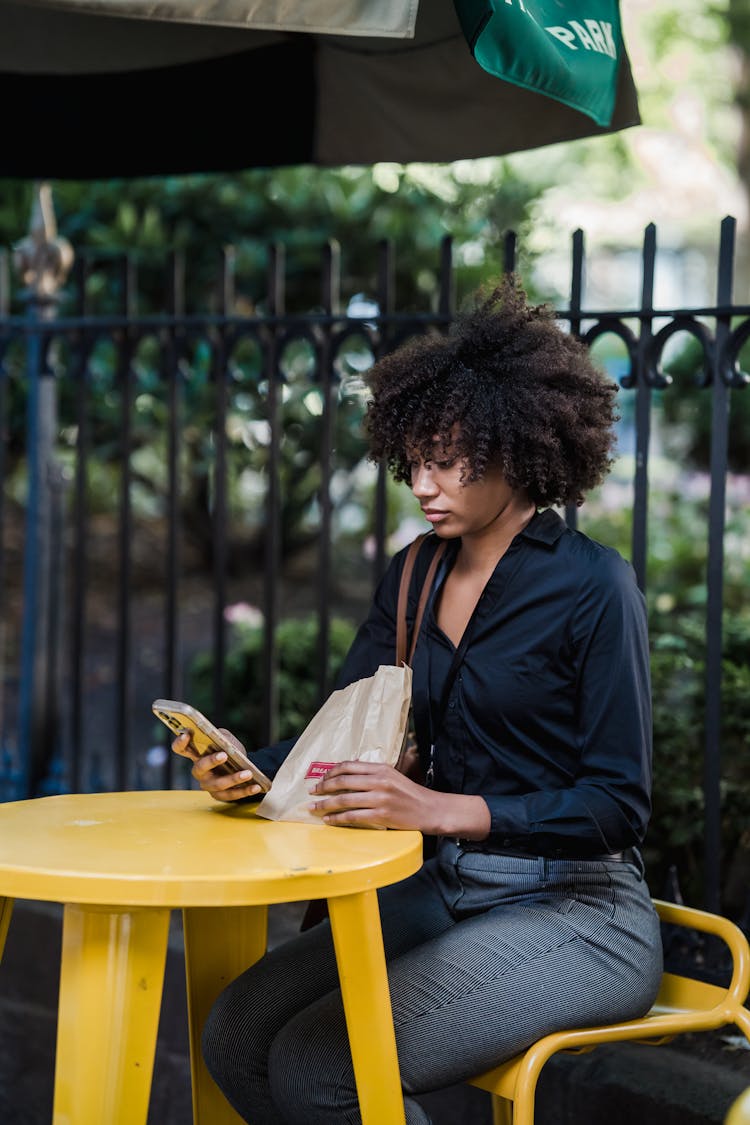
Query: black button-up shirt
point(548, 714)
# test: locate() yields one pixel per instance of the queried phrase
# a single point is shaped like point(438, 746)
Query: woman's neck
point(482, 550)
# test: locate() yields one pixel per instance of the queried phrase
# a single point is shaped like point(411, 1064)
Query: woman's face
point(456, 506)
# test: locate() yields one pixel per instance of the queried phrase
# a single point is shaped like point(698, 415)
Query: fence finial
point(42, 258)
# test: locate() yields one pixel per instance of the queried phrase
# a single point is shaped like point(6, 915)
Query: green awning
point(566, 49)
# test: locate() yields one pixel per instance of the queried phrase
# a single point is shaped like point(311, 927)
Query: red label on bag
point(319, 769)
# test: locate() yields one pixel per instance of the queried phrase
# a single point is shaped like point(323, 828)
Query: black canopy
point(99, 96)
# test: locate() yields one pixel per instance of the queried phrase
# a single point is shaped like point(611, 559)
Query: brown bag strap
point(403, 594)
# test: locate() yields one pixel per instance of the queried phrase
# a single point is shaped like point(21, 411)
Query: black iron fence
point(166, 474)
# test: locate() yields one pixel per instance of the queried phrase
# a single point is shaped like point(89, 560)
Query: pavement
point(692, 1081)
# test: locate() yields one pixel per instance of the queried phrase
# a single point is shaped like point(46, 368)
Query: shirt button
point(451, 706)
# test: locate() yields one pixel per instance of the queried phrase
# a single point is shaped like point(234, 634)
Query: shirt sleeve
point(608, 804)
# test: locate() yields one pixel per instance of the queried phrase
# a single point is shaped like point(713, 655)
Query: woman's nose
point(422, 483)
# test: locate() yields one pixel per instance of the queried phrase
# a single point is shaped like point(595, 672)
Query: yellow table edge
point(106, 875)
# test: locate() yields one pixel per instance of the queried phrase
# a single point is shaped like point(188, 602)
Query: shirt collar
point(544, 527)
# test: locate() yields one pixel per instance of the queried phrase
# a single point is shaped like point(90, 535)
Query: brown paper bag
point(366, 720)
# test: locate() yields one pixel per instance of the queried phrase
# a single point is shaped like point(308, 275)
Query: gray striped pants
point(486, 953)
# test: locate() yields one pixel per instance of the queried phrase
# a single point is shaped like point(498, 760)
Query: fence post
point(43, 261)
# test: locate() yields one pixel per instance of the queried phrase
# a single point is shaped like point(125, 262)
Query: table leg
point(220, 943)
point(6, 910)
point(355, 921)
point(111, 979)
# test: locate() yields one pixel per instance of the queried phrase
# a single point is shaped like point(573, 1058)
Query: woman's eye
point(429, 466)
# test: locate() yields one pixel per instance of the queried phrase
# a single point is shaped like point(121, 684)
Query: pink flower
point(242, 613)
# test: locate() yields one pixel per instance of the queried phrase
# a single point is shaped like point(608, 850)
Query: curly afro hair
point(506, 387)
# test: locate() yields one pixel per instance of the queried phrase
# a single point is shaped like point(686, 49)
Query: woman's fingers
point(209, 770)
point(182, 745)
point(228, 786)
point(368, 794)
point(205, 764)
point(359, 776)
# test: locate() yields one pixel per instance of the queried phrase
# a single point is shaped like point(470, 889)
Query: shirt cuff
point(508, 818)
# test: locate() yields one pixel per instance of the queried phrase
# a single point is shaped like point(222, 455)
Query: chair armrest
point(731, 934)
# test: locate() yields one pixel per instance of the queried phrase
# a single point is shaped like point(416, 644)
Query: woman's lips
point(432, 515)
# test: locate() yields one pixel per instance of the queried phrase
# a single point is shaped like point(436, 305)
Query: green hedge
point(297, 645)
point(676, 836)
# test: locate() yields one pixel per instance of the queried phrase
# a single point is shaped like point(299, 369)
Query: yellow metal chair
point(739, 1110)
point(683, 1005)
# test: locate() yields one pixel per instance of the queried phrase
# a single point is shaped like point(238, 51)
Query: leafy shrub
point(297, 646)
point(676, 836)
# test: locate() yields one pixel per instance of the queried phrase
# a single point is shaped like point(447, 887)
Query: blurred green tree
point(300, 208)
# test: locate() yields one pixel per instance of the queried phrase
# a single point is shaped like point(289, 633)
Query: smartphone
point(206, 738)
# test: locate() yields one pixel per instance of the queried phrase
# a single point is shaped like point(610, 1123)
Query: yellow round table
point(120, 862)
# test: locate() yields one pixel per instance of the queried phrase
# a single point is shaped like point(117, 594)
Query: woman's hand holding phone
point(210, 771)
point(220, 765)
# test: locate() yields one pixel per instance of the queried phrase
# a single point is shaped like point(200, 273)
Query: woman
point(531, 698)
